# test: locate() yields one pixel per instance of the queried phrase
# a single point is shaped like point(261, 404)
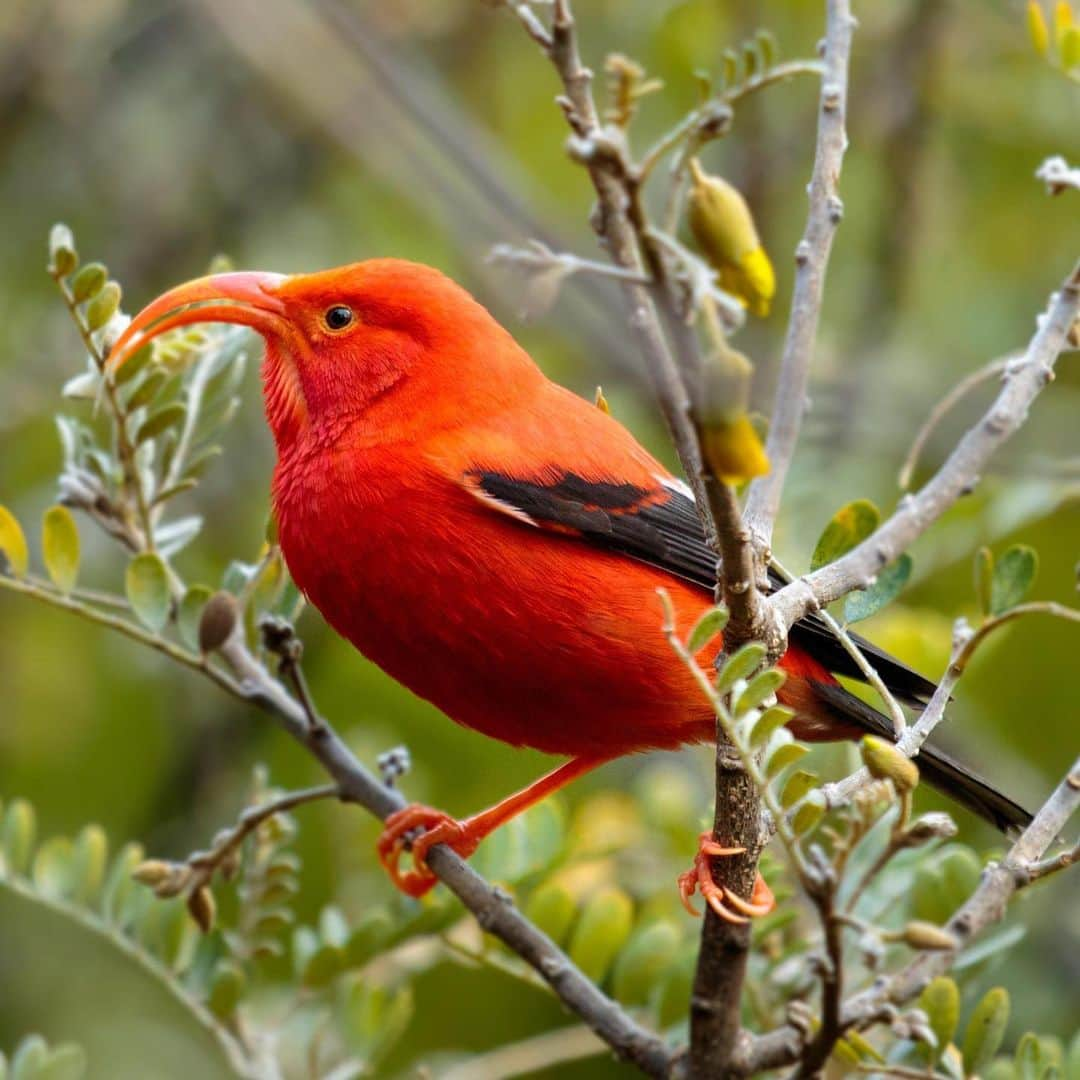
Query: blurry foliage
point(217, 151)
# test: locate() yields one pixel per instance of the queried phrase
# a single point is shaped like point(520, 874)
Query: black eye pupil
point(338, 317)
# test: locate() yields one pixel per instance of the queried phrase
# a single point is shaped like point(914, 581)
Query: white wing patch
point(473, 487)
point(673, 483)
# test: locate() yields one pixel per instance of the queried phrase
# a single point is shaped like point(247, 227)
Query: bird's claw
point(418, 828)
point(722, 900)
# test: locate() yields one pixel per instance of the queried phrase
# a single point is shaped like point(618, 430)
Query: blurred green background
point(300, 135)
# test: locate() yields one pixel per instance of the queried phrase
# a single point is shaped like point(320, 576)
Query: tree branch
point(985, 907)
point(492, 907)
point(1023, 381)
point(811, 260)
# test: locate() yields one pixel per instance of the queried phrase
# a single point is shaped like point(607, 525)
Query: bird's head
point(385, 343)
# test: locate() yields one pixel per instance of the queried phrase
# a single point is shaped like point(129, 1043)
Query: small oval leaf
point(1014, 574)
point(166, 417)
point(886, 588)
point(849, 527)
point(601, 932)
point(147, 586)
point(13, 543)
point(711, 623)
point(740, 665)
point(104, 306)
point(985, 1030)
point(60, 547)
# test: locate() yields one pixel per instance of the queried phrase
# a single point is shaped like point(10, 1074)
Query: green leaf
point(324, 964)
point(771, 720)
point(763, 685)
point(88, 858)
point(190, 612)
point(227, 987)
point(368, 937)
point(675, 988)
point(52, 867)
point(740, 664)
point(30, 1056)
point(375, 1018)
point(849, 527)
point(800, 784)
point(810, 812)
point(147, 586)
point(1014, 574)
point(1070, 47)
point(60, 547)
point(157, 422)
point(13, 542)
point(64, 1062)
point(984, 577)
point(782, 757)
point(89, 281)
point(132, 366)
point(146, 391)
point(103, 307)
point(1034, 1058)
point(766, 43)
point(552, 909)
point(941, 1003)
point(645, 958)
point(886, 588)
point(706, 628)
point(601, 932)
point(1072, 1059)
point(985, 1030)
point(120, 886)
point(18, 835)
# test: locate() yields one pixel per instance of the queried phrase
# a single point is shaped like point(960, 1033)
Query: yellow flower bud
point(1040, 36)
point(885, 762)
point(724, 229)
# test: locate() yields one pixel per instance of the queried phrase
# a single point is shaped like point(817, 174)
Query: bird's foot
point(728, 906)
point(402, 833)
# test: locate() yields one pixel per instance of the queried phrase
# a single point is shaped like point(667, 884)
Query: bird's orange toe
point(418, 829)
point(728, 906)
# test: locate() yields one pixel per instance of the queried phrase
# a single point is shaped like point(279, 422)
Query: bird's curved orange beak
point(248, 298)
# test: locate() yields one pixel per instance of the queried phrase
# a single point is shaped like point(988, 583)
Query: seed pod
point(925, 935)
point(202, 908)
point(885, 762)
point(153, 872)
point(724, 229)
point(217, 622)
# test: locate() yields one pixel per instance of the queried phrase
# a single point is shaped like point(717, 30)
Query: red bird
point(496, 543)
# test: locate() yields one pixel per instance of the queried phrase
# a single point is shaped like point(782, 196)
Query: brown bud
point(218, 620)
point(202, 908)
point(885, 762)
point(153, 872)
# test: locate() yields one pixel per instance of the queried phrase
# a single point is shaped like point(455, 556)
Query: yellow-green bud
point(885, 762)
point(724, 229)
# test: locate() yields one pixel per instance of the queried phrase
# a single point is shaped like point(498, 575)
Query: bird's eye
point(338, 317)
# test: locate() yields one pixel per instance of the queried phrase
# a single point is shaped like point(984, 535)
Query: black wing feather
point(661, 527)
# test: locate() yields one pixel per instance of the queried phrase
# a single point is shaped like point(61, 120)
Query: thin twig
point(896, 713)
point(1024, 379)
point(955, 395)
point(811, 261)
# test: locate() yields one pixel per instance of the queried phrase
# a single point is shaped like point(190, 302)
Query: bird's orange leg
point(721, 899)
point(462, 836)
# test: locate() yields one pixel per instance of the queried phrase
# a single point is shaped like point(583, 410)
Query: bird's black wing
point(660, 526)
